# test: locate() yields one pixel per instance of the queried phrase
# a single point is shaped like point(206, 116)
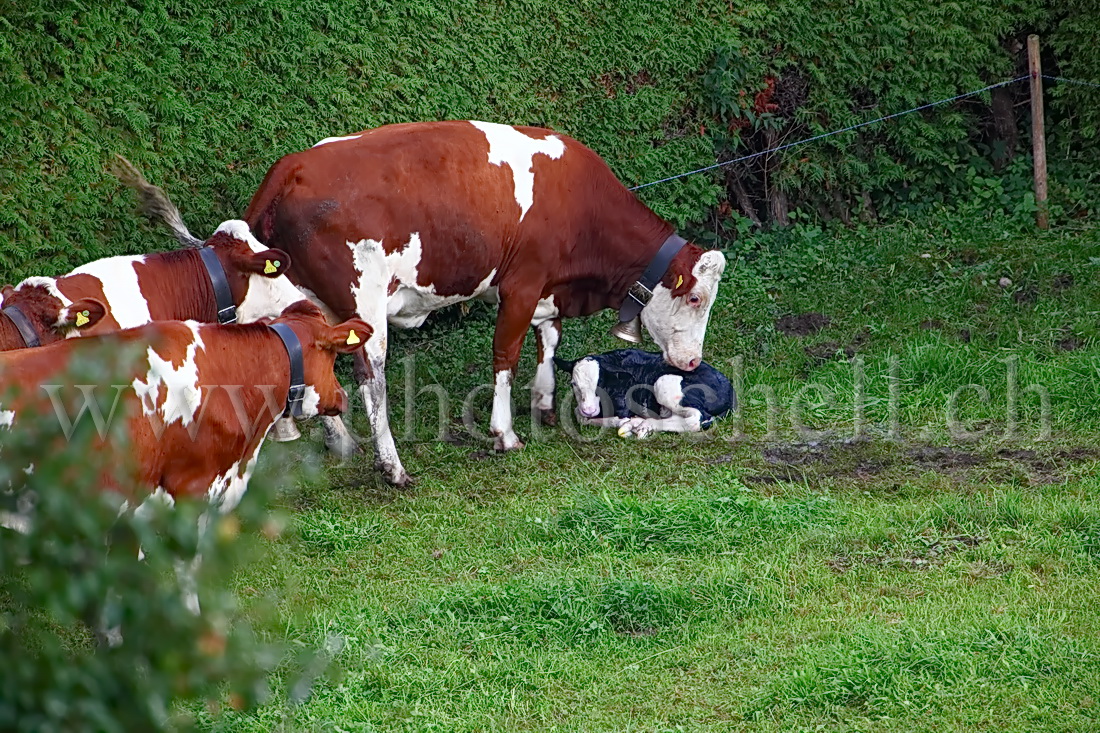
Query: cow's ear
point(564, 364)
point(269, 263)
point(5, 292)
point(348, 336)
point(82, 314)
point(712, 262)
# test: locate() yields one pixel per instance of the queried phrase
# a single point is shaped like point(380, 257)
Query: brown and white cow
point(160, 286)
point(393, 223)
point(199, 399)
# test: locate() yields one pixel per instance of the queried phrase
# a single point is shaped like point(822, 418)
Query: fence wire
point(857, 126)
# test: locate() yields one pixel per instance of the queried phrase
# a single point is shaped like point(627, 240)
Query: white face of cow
point(679, 325)
point(586, 380)
point(269, 291)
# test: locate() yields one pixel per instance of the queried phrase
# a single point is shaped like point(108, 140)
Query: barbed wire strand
point(824, 135)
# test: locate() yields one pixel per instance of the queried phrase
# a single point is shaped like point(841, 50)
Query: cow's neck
point(182, 288)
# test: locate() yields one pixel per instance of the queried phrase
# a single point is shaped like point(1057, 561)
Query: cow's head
point(320, 345)
point(46, 313)
point(676, 317)
point(585, 378)
point(256, 274)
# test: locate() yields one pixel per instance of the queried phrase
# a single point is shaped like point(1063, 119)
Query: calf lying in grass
point(645, 394)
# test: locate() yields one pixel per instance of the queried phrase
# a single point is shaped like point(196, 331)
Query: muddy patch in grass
point(803, 324)
point(887, 466)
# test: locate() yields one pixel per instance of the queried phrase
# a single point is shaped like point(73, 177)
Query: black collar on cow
point(297, 391)
point(22, 324)
point(641, 292)
point(223, 296)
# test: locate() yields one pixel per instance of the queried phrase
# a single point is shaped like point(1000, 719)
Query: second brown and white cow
point(393, 223)
point(236, 276)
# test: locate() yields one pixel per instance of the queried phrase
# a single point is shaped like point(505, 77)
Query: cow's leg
point(548, 335)
point(370, 371)
point(669, 393)
point(338, 438)
point(513, 317)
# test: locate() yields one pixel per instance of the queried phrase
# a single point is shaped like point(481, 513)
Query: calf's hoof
point(637, 426)
point(285, 430)
point(549, 417)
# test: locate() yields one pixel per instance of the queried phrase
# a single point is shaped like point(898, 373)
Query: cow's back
point(469, 198)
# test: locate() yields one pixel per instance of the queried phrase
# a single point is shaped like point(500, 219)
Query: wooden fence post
point(1038, 132)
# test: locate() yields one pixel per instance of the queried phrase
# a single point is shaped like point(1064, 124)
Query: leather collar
point(223, 296)
point(22, 324)
point(297, 391)
point(641, 292)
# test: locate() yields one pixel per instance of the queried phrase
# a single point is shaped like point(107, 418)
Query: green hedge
point(205, 95)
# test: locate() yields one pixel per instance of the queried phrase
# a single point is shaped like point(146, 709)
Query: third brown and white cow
point(393, 223)
point(199, 399)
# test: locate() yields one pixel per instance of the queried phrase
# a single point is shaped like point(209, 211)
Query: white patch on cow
point(182, 393)
point(328, 140)
point(266, 297)
point(7, 417)
point(545, 310)
point(368, 288)
point(676, 326)
point(507, 145)
point(310, 401)
point(47, 283)
point(119, 279)
point(226, 490)
point(159, 498)
point(586, 381)
point(411, 303)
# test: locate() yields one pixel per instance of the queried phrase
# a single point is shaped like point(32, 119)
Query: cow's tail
point(155, 203)
point(260, 214)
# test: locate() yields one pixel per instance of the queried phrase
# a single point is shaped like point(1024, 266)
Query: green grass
point(822, 580)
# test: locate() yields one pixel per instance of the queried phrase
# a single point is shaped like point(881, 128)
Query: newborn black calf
point(645, 394)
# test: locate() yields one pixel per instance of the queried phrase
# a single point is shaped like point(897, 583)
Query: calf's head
point(45, 313)
point(677, 315)
point(256, 274)
point(585, 379)
point(320, 345)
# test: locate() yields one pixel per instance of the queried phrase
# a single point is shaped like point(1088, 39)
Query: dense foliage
point(204, 96)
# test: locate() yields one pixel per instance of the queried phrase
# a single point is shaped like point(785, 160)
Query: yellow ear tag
point(82, 319)
point(352, 338)
point(270, 267)
point(680, 281)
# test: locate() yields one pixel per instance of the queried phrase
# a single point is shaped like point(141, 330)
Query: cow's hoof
point(396, 477)
point(549, 417)
point(505, 443)
point(285, 430)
